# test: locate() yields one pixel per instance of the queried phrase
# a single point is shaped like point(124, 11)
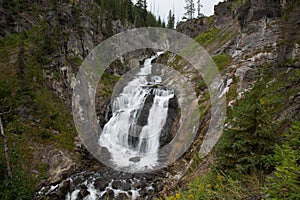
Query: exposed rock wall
point(194, 27)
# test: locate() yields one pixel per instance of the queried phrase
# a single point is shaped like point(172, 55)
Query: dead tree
point(6, 151)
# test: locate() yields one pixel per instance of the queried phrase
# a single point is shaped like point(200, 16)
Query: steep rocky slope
point(247, 39)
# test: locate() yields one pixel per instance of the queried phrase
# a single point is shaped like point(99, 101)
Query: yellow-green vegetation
point(214, 38)
point(217, 185)
point(222, 61)
point(207, 37)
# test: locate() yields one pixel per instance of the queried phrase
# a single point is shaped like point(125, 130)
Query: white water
point(126, 109)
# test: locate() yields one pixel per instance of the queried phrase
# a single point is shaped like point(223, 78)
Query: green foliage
point(20, 187)
point(207, 37)
point(250, 133)
point(295, 77)
point(125, 10)
point(285, 183)
point(217, 185)
point(171, 20)
point(222, 61)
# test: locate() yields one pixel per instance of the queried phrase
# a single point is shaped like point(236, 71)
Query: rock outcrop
point(194, 27)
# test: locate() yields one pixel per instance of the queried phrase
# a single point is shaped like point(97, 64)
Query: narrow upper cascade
point(123, 125)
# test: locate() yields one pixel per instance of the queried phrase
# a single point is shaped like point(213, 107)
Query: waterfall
point(129, 143)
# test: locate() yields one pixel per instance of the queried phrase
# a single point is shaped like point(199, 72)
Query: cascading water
point(118, 132)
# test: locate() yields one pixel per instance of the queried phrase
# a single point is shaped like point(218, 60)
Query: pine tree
point(199, 6)
point(250, 133)
point(190, 9)
point(171, 20)
point(159, 23)
point(142, 10)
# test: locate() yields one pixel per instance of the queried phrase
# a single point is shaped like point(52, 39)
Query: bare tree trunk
point(6, 150)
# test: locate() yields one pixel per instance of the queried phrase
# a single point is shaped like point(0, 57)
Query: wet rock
point(83, 192)
point(117, 184)
point(144, 113)
point(121, 184)
point(109, 194)
point(135, 159)
point(170, 128)
point(126, 185)
point(136, 185)
point(100, 184)
point(78, 180)
point(61, 192)
point(141, 120)
point(122, 196)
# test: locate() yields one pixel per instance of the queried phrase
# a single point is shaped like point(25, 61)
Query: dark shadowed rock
point(101, 184)
point(117, 184)
point(135, 159)
point(83, 192)
point(126, 185)
point(109, 194)
point(122, 196)
point(170, 128)
point(223, 14)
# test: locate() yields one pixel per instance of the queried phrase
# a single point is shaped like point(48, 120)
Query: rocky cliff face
point(71, 29)
point(260, 38)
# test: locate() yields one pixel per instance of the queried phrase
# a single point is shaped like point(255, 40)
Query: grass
point(207, 37)
point(222, 61)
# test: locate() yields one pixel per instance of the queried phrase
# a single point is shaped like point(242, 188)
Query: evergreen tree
point(250, 133)
point(190, 9)
point(199, 6)
point(284, 182)
point(171, 20)
point(142, 10)
point(159, 23)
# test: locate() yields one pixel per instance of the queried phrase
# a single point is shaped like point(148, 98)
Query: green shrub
point(285, 183)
